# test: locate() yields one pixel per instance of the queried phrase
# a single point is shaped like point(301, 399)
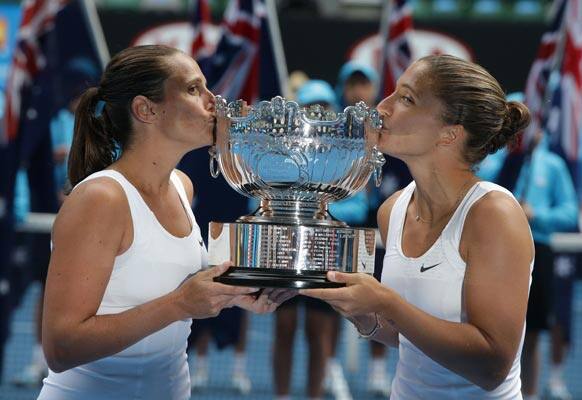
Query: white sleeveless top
point(433, 282)
point(155, 264)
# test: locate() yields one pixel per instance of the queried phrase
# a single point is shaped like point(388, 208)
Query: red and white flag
point(248, 62)
point(570, 127)
point(547, 60)
point(53, 34)
point(200, 22)
point(29, 59)
point(396, 56)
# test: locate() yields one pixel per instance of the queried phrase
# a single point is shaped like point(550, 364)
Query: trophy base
point(269, 278)
point(289, 256)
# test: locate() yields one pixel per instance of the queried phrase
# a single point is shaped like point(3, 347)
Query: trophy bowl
point(294, 161)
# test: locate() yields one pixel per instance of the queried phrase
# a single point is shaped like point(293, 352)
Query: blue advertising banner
point(9, 22)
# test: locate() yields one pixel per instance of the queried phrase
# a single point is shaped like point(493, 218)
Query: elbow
point(55, 359)
point(494, 374)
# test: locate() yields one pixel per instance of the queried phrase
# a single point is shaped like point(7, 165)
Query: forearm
point(459, 347)
point(67, 345)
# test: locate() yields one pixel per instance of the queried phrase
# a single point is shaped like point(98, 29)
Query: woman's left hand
point(363, 294)
point(266, 302)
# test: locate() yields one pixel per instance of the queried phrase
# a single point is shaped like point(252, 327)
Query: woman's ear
point(142, 109)
point(451, 134)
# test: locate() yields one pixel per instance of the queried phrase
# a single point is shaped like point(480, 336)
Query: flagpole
point(384, 26)
point(276, 42)
point(94, 23)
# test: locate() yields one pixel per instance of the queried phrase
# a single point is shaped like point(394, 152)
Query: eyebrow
point(407, 86)
point(197, 81)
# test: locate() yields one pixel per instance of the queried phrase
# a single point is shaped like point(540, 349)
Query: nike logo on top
point(423, 268)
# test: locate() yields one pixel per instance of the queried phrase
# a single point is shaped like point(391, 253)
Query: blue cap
point(351, 67)
point(347, 70)
point(515, 96)
point(316, 91)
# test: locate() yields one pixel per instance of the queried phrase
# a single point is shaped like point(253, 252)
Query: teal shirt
point(545, 184)
point(353, 210)
point(62, 127)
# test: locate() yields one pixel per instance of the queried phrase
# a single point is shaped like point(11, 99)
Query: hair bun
point(517, 118)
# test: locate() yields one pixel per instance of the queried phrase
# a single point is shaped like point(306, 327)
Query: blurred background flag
point(539, 94)
point(201, 18)
point(51, 34)
point(564, 118)
point(248, 62)
point(396, 55)
point(547, 59)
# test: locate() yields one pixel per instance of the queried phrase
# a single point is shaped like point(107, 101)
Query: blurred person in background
point(318, 315)
point(545, 190)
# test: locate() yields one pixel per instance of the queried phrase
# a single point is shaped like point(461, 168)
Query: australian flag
point(58, 41)
point(396, 52)
point(538, 94)
point(200, 20)
point(243, 65)
point(564, 120)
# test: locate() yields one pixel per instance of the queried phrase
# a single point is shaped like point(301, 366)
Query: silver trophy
point(295, 161)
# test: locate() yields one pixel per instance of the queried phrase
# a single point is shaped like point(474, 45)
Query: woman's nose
point(211, 102)
point(385, 107)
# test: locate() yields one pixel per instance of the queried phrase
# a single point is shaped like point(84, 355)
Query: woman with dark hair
point(124, 279)
point(459, 252)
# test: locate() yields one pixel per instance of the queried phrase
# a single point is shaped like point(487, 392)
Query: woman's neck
point(439, 192)
point(148, 166)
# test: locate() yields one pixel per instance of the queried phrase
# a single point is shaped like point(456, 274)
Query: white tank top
point(155, 264)
point(433, 282)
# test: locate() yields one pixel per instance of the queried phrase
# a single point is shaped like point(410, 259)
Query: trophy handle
point(377, 162)
point(213, 163)
point(378, 176)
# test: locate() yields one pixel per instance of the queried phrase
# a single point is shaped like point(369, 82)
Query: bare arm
point(498, 249)
point(90, 231)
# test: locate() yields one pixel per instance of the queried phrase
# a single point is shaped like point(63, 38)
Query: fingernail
point(331, 275)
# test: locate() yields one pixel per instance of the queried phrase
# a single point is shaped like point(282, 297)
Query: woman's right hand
point(200, 297)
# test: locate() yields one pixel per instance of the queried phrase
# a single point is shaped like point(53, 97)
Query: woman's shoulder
point(496, 202)
point(102, 188)
point(101, 195)
point(496, 212)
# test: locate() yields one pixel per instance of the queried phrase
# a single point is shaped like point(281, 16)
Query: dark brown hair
point(471, 97)
point(103, 117)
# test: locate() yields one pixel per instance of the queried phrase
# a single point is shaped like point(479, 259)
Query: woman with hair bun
point(459, 251)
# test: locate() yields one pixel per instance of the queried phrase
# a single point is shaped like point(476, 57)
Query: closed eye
point(406, 99)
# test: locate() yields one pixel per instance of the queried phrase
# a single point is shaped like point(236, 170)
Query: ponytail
point(103, 121)
point(93, 148)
